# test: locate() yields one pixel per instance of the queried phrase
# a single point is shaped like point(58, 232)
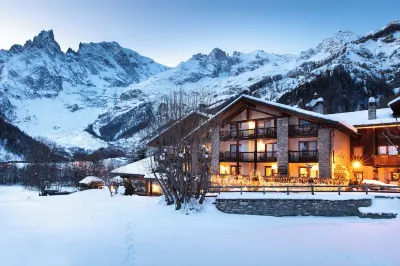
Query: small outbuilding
point(91, 182)
point(140, 172)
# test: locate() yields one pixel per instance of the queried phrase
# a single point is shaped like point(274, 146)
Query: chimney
point(317, 104)
point(371, 108)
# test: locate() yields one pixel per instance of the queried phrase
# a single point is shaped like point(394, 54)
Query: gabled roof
point(286, 109)
point(187, 118)
point(139, 168)
point(90, 179)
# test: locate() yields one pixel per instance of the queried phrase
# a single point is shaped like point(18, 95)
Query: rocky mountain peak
point(338, 40)
point(44, 40)
point(218, 54)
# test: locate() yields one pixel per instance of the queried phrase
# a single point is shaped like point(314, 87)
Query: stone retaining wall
point(293, 207)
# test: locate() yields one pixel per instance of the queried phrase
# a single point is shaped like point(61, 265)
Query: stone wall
point(324, 152)
point(293, 207)
point(283, 142)
point(215, 149)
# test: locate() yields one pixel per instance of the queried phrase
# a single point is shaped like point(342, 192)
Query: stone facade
point(215, 149)
point(283, 142)
point(294, 207)
point(324, 152)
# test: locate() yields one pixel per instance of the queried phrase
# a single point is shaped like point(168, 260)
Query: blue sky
point(171, 31)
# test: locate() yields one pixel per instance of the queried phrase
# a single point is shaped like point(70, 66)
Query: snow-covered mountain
point(103, 93)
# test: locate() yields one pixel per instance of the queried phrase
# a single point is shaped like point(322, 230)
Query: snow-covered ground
point(90, 228)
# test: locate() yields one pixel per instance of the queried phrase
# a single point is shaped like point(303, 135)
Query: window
point(269, 171)
point(358, 151)
point(234, 149)
point(234, 128)
point(304, 171)
point(234, 170)
point(388, 150)
point(265, 124)
point(395, 176)
point(307, 145)
point(270, 147)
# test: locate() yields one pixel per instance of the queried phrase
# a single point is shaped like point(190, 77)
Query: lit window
point(393, 150)
point(382, 150)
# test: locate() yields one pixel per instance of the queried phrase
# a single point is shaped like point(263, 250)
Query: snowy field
point(90, 228)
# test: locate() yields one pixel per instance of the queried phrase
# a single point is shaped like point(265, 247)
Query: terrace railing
point(303, 156)
point(307, 130)
point(387, 160)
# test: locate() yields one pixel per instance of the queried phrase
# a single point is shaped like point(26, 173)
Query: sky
point(171, 31)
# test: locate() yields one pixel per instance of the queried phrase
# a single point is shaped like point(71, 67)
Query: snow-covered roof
point(360, 118)
point(290, 109)
point(393, 101)
point(313, 102)
point(89, 179)
point(141, 168)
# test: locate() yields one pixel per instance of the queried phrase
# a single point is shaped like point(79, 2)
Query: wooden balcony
point(269, 132)
point(303, 156)
point(266, 156)
point(247, 156)
point(308, 130)
point(387, 160)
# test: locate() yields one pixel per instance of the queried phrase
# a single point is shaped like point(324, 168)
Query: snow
point(321, 196)
point(371, 100)
point(313, 102)
point(377, 183)
point(141, 167)
point(383, 206)
point(91, 228)
point(89, 179)
point(360, 118)
point(393, 101)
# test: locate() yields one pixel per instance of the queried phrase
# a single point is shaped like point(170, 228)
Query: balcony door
point(270, 149)
point(234, 129)
point(308, 148)
point(234, 149)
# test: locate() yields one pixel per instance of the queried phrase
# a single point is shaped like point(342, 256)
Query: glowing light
point(356, 164)
point(274, 166)
point(252, 125)
point(315, 167)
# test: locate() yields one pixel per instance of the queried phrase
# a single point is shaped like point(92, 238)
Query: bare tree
point(181, 149)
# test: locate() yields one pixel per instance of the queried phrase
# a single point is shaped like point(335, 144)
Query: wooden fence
point(305, 189)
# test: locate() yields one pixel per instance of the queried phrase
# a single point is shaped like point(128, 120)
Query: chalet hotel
point(251, 135)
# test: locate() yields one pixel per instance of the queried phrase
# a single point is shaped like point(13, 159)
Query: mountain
point(104, 95)
point(47, 92)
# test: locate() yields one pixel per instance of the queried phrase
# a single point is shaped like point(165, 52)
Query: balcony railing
point(387, 160)
point(266, 156)
point(269, 132)
point(308, 130)
point(303, 156)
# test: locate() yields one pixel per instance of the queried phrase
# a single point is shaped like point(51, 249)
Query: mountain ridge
point(108, 91)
